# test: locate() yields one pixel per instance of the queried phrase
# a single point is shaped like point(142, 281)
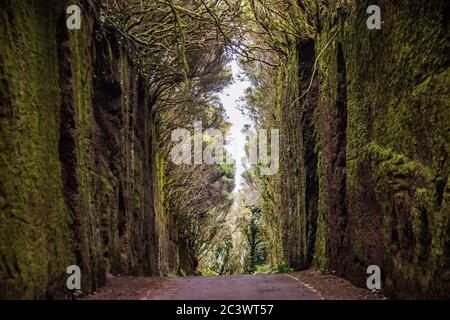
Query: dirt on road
point(306, 285)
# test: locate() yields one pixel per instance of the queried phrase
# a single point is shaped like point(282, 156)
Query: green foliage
point(263, 269)
point(283, 267)
point(207, 272)
point(228, 170)
point(257, 249)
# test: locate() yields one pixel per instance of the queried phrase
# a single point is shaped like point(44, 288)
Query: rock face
point(81, 174)
point(365, 160)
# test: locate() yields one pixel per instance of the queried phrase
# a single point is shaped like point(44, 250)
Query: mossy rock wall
point(381, 147)
point(80, 178)
point(36, 242)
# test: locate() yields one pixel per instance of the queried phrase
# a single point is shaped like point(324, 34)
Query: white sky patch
point(236, 140)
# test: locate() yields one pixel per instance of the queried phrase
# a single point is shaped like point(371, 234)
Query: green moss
point(397, 143)
point(320, 260)
point(35, 241)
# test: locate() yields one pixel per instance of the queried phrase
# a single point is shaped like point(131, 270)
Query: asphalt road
point(239, 287)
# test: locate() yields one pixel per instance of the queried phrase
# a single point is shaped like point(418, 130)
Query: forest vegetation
point(86, 122)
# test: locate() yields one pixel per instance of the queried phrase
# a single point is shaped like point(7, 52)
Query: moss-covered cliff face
point(79, 166)
point(398, 145)
point(366, 150)
point(294, 191)
point(35, 243)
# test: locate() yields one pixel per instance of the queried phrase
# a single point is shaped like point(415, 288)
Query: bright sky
point(236, 141)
